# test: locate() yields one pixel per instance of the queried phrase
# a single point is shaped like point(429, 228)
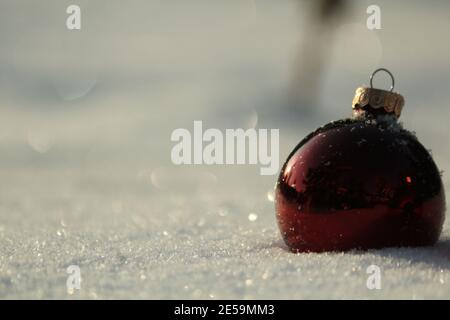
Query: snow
point(85, 170)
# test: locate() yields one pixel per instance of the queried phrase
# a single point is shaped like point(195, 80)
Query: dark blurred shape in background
point(318, 28)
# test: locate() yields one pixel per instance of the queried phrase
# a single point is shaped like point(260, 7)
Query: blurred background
point(86, 115)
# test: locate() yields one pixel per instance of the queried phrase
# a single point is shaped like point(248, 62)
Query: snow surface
point(85, 170)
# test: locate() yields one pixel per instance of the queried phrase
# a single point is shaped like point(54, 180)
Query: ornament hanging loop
point(378, 101)
point(388, 72)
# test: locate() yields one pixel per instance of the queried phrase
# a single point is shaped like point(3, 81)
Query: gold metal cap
point(378, 100)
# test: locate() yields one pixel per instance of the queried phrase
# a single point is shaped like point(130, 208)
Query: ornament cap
point(377, 101)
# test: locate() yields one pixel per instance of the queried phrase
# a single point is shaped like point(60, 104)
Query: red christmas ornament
point(361, 183)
